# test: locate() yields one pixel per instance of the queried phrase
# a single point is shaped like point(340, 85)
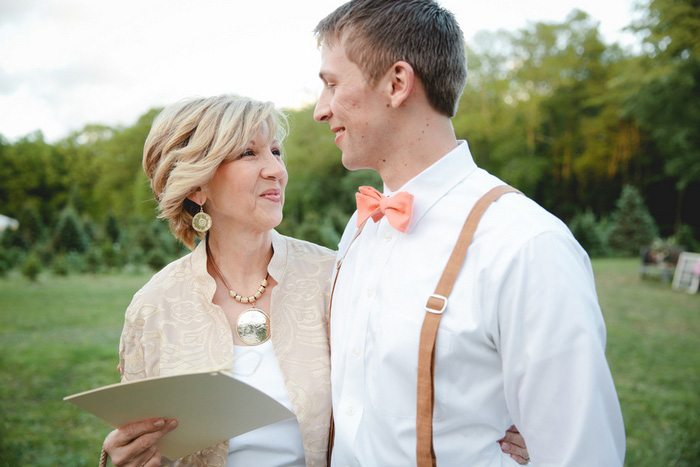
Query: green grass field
point(60, 336)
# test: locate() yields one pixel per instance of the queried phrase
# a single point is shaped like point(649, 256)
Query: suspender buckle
point(431, 305)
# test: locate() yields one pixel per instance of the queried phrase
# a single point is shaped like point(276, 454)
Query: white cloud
point(66, 63)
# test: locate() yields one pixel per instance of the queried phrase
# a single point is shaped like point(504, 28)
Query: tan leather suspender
point(434, 307)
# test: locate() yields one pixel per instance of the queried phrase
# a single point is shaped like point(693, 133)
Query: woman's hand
point(513, 443)
point(134, 444)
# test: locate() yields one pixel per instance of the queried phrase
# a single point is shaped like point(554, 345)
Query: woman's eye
point(248, 152)
point(277, 152)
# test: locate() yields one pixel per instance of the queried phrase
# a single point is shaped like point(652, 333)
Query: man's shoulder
point(513, 220)
point(511, 209)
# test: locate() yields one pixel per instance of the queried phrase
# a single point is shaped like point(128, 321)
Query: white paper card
point(210, 407)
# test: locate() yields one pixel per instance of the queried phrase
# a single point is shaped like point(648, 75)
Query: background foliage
point(551, 109)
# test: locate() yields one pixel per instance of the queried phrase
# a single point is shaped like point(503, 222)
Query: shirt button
point(388, 237)
point(370, 293)
point(356, 352)
point(350, 411)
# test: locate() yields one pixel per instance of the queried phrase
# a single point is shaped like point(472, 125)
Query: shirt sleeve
point(557, 382)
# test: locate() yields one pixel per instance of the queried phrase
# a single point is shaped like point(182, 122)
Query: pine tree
point(111, 227)
point(633, 227)
point(70, 235)
point(32, 226)
point(588, 233)
point(31, 267)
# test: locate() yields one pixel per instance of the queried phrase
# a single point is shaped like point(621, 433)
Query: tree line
point(587, 129)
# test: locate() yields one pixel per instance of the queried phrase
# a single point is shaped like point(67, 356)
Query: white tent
point(8, 223)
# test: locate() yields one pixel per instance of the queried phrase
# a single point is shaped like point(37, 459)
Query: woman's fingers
point(154, 461)
point(134, 444)
point(513, 443)
point(514, 437)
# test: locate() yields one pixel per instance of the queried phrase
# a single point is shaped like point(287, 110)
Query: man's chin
point(352, 163)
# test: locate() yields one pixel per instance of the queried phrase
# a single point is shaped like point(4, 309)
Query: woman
point(246, 297)
point(222, 156)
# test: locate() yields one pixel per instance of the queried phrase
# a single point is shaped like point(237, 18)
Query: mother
point(245, 297)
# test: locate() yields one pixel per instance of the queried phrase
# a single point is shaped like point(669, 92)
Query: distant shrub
point(70, 235)
point(32, 226)
point(685, 237)
point(15, 256)
point(589, 233)
point(93, 260)
point(135, 255)
point(156, 259)
point(32, 267)
point(90, 230)
point(13, 239)
point(45, 252)
point(75, 262)
point(5, 264)
point(59, 266)
point(111, 227)
point(111, 255)
point(632, 225)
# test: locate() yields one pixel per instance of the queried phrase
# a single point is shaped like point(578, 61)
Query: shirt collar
point(437, 180)
point(276, 268)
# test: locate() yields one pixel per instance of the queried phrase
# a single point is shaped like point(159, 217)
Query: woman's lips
point(272, 195)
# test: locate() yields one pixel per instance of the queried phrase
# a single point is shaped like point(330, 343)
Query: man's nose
point(322, 111)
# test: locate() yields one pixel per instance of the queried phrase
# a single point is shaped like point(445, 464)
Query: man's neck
point(418, 147)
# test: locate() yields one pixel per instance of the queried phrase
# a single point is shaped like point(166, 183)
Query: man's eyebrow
point(324, 75)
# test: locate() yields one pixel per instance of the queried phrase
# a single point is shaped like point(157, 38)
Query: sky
point(68, 63)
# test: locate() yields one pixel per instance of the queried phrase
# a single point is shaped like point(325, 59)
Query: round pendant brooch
point(253, 326)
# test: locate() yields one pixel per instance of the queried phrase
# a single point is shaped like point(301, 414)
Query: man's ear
point(197, 197)
point(402, 80)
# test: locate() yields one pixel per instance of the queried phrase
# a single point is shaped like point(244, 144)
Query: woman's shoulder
point(163, 283)
point(306, 250)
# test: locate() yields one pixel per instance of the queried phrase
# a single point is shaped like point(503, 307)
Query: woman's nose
point(273, 167)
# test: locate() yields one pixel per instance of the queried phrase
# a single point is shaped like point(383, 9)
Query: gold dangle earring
point(201, 222)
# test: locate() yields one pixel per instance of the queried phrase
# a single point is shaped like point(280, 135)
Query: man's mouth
point(339, 131)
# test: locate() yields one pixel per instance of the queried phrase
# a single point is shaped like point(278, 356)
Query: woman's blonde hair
point(189, 140)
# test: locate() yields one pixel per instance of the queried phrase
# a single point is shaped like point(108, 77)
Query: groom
point(521, 338)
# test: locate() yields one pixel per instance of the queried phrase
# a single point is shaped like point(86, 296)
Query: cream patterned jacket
point(172, 327)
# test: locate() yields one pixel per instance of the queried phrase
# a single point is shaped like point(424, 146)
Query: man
point(522, 339)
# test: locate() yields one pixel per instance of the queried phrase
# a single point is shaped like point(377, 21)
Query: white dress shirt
point(522, 339)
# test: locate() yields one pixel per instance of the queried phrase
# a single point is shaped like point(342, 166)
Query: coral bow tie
point(397, 209)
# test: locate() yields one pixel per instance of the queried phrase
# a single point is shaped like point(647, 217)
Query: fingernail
point(505, 446)
point(159, 423)
point(172, 423)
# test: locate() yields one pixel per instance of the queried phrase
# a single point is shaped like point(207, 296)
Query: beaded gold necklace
point(253, 325)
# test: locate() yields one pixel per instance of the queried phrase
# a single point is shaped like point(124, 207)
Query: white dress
point(273, 445)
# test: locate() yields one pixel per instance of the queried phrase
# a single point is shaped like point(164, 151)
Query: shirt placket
point(357, 361)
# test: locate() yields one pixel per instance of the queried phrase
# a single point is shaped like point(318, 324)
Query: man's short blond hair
point(378, 33)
